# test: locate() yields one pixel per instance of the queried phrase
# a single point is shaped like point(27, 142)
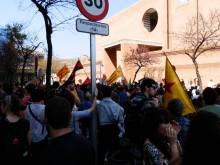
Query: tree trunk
point(23, 70)
point(135, 75)
point(198, 74)
point(35, 65)
point(49, 31)
point(50, 51)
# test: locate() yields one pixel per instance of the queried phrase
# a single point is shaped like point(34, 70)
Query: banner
point(174, 89)
point(63, 72)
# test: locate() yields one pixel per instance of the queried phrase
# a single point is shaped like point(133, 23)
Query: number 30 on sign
point(94, 10)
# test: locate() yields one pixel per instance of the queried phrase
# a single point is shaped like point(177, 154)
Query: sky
point(67, 42)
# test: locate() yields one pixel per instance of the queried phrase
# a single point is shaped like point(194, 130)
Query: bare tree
point(51, 11)
point(139, 58)
point(27, 54)
point(201, 35)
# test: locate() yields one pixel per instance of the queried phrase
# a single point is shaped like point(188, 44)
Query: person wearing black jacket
point(64, 146)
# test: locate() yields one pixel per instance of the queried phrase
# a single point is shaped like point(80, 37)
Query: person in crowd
point(110, 124)
point(81, 119)
point(2, 92)
point(115, 97)
point(135, 109)
point(161, 89)
point(146, 98)
point(217, 90)
point(123, 96)
point(15, 135)
point(56, 85)
point(103, 80)
point(86, 103)
point(203, 140)
point(161, 146)
point(2, 96)
point(76, 115)
point(28, 89)
point(34, 113)
point(72, 89)
point(211, 83)
point(175, 107)
point(209, 96)
point(64, 147)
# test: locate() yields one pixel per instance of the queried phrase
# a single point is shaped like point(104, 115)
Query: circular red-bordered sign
point(94, 10)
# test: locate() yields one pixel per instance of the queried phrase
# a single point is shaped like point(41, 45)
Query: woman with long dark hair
point(161, 146)
point(15, 133)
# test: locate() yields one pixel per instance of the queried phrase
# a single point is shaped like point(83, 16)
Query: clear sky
point(67, 43)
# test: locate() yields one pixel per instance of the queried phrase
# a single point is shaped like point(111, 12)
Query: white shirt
point(36, 127)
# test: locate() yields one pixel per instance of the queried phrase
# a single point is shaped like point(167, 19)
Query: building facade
point(153, 24)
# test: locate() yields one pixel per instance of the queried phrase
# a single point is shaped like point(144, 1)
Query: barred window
point(150, 19)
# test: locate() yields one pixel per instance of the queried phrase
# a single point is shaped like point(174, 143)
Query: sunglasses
point(154, 86)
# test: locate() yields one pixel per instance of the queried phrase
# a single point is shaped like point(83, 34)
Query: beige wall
point(127, 30)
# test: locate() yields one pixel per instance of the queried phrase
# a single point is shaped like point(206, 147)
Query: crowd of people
point(133, 126)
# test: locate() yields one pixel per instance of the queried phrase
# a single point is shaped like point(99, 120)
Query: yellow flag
point(63, 72)
point(174, 89)
point(115, 75)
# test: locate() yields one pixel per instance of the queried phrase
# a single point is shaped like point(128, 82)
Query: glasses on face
point(154, 86)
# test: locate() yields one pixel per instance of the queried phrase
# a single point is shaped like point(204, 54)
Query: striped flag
point(63, 72)
point(115, 75)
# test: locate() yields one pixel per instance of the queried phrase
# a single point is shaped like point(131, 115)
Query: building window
point(182, 2)
point(150, 19)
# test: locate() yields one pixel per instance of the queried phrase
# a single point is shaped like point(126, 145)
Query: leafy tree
point(24, 45)
point(8, 63)
point(51, 11)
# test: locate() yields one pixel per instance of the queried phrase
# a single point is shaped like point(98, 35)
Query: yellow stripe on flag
point(63, 72)
point(115, 75)
point(174, 89)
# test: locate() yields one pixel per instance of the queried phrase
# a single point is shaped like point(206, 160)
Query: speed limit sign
point(94, 10)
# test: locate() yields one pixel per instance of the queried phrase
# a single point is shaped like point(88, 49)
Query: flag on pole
point(174, 89)
point(87, 81)
point(115, 75)
point(78, 66)
point(63, 72)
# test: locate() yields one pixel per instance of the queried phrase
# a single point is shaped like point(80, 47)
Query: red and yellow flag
point(77, 66)
point(63, 72)
point(174, 89)
point(115, 75)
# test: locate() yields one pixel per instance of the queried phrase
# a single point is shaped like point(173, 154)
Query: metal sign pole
point(93, 79)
